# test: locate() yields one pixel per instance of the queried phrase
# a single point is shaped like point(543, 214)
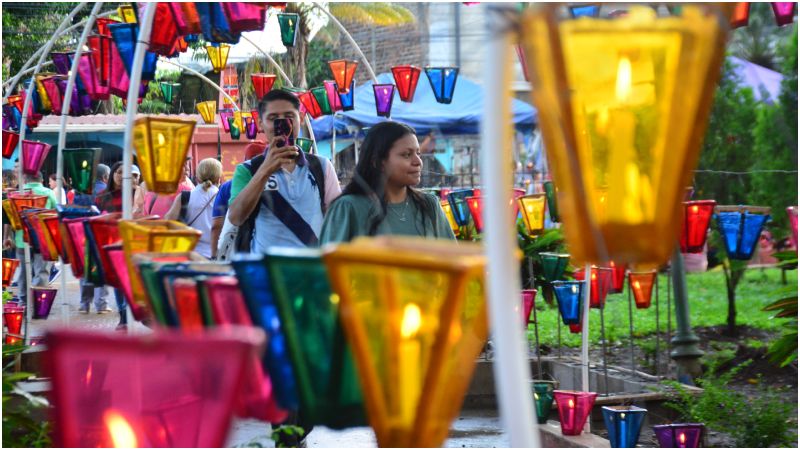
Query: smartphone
point(283, 127)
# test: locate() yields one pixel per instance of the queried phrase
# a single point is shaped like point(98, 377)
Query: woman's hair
point(209, 172)
point(112, 185)
point(64, 183)
point(369, 180)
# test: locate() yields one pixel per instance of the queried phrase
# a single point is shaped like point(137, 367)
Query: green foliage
point(319, 53)
point(20, 429)
point(758, 421)
point(784, 350)
point(286, 433)
point(759, 40)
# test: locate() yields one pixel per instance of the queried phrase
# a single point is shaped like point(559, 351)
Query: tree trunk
point(732, 278)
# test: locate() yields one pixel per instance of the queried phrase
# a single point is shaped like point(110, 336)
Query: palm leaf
point(381, 14)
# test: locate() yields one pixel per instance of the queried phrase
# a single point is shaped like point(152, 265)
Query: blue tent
point(462, 116)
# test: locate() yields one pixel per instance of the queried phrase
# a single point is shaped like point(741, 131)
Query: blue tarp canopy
point(462, 116)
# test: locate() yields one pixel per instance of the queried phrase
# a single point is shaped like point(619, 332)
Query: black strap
point(289, 217)
point(204, 207)
point(315, 167)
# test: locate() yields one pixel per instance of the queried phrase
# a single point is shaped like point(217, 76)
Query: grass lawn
point(708, 306)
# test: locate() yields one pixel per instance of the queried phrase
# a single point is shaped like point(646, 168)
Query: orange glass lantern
point(602, 278)
point(475, 205)
point(47, 246)
point(161, 148)
point(696, 220)
point(406, 78)
point(25, 200)
point(414, 312)
point(218, 54)
point(13, 216)
point(9, 267)
point(448, 212)
point(208, 110)
point(623, 104)
point(343, 71)
point(642, 287)
point(127, 13)
point(532, 207)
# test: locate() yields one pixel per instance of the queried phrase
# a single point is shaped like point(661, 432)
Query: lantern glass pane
point(443, 82)
point(532, 207)
point(641, 284)
point(405, 78)
point(161, 148)
point(288, 24)
point(384, 95)
point(569, 297)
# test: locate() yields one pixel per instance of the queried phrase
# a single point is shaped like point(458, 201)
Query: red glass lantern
point(343, 72)
point(405, 78)
point(101, 56)
point(51, 224)
point(333, 95)
point(475, 205)
point(10, 141)
point(102, 24)
point(642, 286)
point(602, 278)
point(262, 83)
point(528, 303)
point(33, 155)
point(43, 301)
point(105, 231)
point(309, 102)
point(244, 16)
point(164, 32)
point(697, 218)
point(47, 247)
point(187, 20)
point(575, 328)
point(573, 409)
point(618, 277)
point(12, 316)
point(9, 267)
point(187, 304)
point(160, 390)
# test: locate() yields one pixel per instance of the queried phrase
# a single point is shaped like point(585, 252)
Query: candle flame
point(89, 374)
point(412, 319)
point(695, 209)
point(622, 416)
point(636, 285)
point(571, 404)
point(623, 87)
point(682, 438)
point(334, 299)
point(161, 139)
point(122, 435)
point(85, 164)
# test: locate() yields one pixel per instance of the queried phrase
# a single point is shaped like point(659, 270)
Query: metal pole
point(658, 327)
point(685, 351)
point(535, 321)
point(669, 317)
point(587, 292)
point(630, 324)
point(603, 336)
point(130, 114)
point(511, 371)
point(558, 321)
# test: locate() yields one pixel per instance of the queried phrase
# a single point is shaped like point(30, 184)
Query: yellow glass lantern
point(160, 236)
point(448, 212)
point(208, 111)
point(127, 13)
point(414, 312)
point(624, 104)
point(161, 147)
point(13, 216)
point(218, 54)
point(532, 207)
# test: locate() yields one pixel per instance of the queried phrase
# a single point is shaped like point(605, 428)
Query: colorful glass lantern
point(164, 33)
point(288, 23)
point(215, 24)
point(584, 10)
point(187, 304)
point(12, 316)
point(443, 82)
point(262, 83)
point(448, 212)
point(44, 99)
point(47, 246)
point(234, 129)
point(21, 201)
point(207, 110)
point(218, 54)
point(9, 267)
point(475, 205)
point(679, 435)
point(309, 102)
point(74, 238)
point(79, 166)
point(42, 301)
point(50, 222)
point(105, 391)
point(791, 211)
point(146, 267)
point(118, 83)
point(168, 90)
point(384, 94)
point(626, 128)
point(569, 297)
point(741, 15)
point(528, 303)
point(532, 207)
point(623, 424)
point(243, 16)
point(617, 277)
point(61, 61)
point(16, 101)
point(256, 118)
point(458, 205)
point(574, 408)
point(69, 252)
point(161, 147)
point(784, 12)
point(13, 215)
point(250, 128)
point(542, 400)
point(333, 95)
point(406, 78)
point(101, 56)
point(186, 19)
point(10, 141)
point(696, 220)
point(101, 231)
point(14, 116)
point(52, 94)
point(194, 310)
point(642, 286)
point(321, 96)
point(326, 376)
point(343, 71)
point(741, 227)
point(102, 24)
point(602, 279)
point(553, 265)
point(348, 100)
point(414, 354)
point(224, 116)
point(305, 144)
point(125, 36)
point(128, 13)
point(90, 77)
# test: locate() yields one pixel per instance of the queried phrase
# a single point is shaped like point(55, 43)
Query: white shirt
point(201, 205)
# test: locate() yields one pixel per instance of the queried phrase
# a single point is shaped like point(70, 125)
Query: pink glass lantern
point(116, 256)
point(75, 243)
point(43, 301)
point(53, 94)
point(384, 94)
point(573, 409)
point(166, 389)
point(91, 79)
point(33, 156)
point(244, 16)
point(528, 303)
point(333, 95)
point(602, 278)
point(784, 12)
point(792, 212)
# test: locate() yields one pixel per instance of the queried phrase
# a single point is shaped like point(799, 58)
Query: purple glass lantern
point(33, 155)
point(384, 94)
point(250, 128)
point(224, 115)
point(333, 95)
point(679, 435)
point(61, 60)
point(43, 301)
point(74, 101)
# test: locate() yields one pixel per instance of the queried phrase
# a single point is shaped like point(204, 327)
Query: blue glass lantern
point(191, 38)
point(623, 424)
point(13, 116)
point(125, 36)
point(741, 227)
point(443, 82)
point(254, 281)
point(215, 24)
point(569, 295)
point(458, 203)
point(348, 99)
point(586, 10)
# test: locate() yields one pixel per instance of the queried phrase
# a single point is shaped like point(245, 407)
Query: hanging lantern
point(697, 218)
point(458, 205)
point(333, 95)
point(75, 101)
point(101, 231)
point(42, 301)
point(69, 251)
point(343, 71)
point(642, 286)
point(552, 201)
point(348, 100)
point(224, 116)
point(214, 23)
point(161, 148)
point(584, 10)
point(13, 116)
point(74, 237)
point(33, 155)
point(127, 13)
point(307, 145)
point(61, 61)
point(402, 343)
point(448, 212)
point(532, 207)
point(187, 304)
point(168, 90)
point(164, 33)
point(234, 129)
point(791, 211)
point(243, 16)
point(288, 24)
point(574, 408)
point(542, 400)
point(405, 78)
point(617, 95)
point(102, 24)
point(309, 102)
point(568, 295)
point(53, 94)
point(679, 435)
point(208, 111)
point(623, 424)
point(553, 265)
point(125, 36)
point(602, 278)
point(528, 303)
point(12, 316)
point(784, 12)
point(321, 96)
point(741, 15)
point(194, 312)
point(9, 267)
point(118, 83)
point(13, 215)
point(44, 99)
point(618, 277)
point(51, 228)
point(256, 118)
point(218, 54)
point(475, 205)
point(443, 82)
point(250, 128)
point(185, 16)
point(146, 269)
point(79, 166)
point(94, 375)
point(17, 101)
point(101, 56)
point(384, 94)
point(10, 141)
point(90, 78)
point(262, 83)
point(233, 93)
point(741, 227)
point(47, 247)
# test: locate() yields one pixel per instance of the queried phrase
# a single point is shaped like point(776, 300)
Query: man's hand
point(276, 157)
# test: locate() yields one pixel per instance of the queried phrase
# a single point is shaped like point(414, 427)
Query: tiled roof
point(109, 119)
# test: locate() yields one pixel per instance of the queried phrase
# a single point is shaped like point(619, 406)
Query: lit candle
point(410, 379)
point(571, 414)
point(122, 435)
point(623, 432)
point(681, 440)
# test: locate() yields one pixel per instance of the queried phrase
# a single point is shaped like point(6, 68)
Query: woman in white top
point(200, 207)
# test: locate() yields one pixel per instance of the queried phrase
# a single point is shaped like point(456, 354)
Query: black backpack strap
point(245, 234)
point(284, 211)
point(185, 195)
point(315, 167)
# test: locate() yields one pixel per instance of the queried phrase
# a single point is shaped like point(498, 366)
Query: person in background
point(159, 204)
point(136, 175)
point(199, 206)
point(102, 173)
point(89, 292)
point(53, 183)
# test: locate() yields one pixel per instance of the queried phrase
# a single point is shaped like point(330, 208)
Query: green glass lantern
point(542, 399)
point(552, 201)
point(321, 94)
point(288, 24)
point(553, 265)
point(79, 166)
point(169, 90)
point(305, 144)
point(235, 131)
